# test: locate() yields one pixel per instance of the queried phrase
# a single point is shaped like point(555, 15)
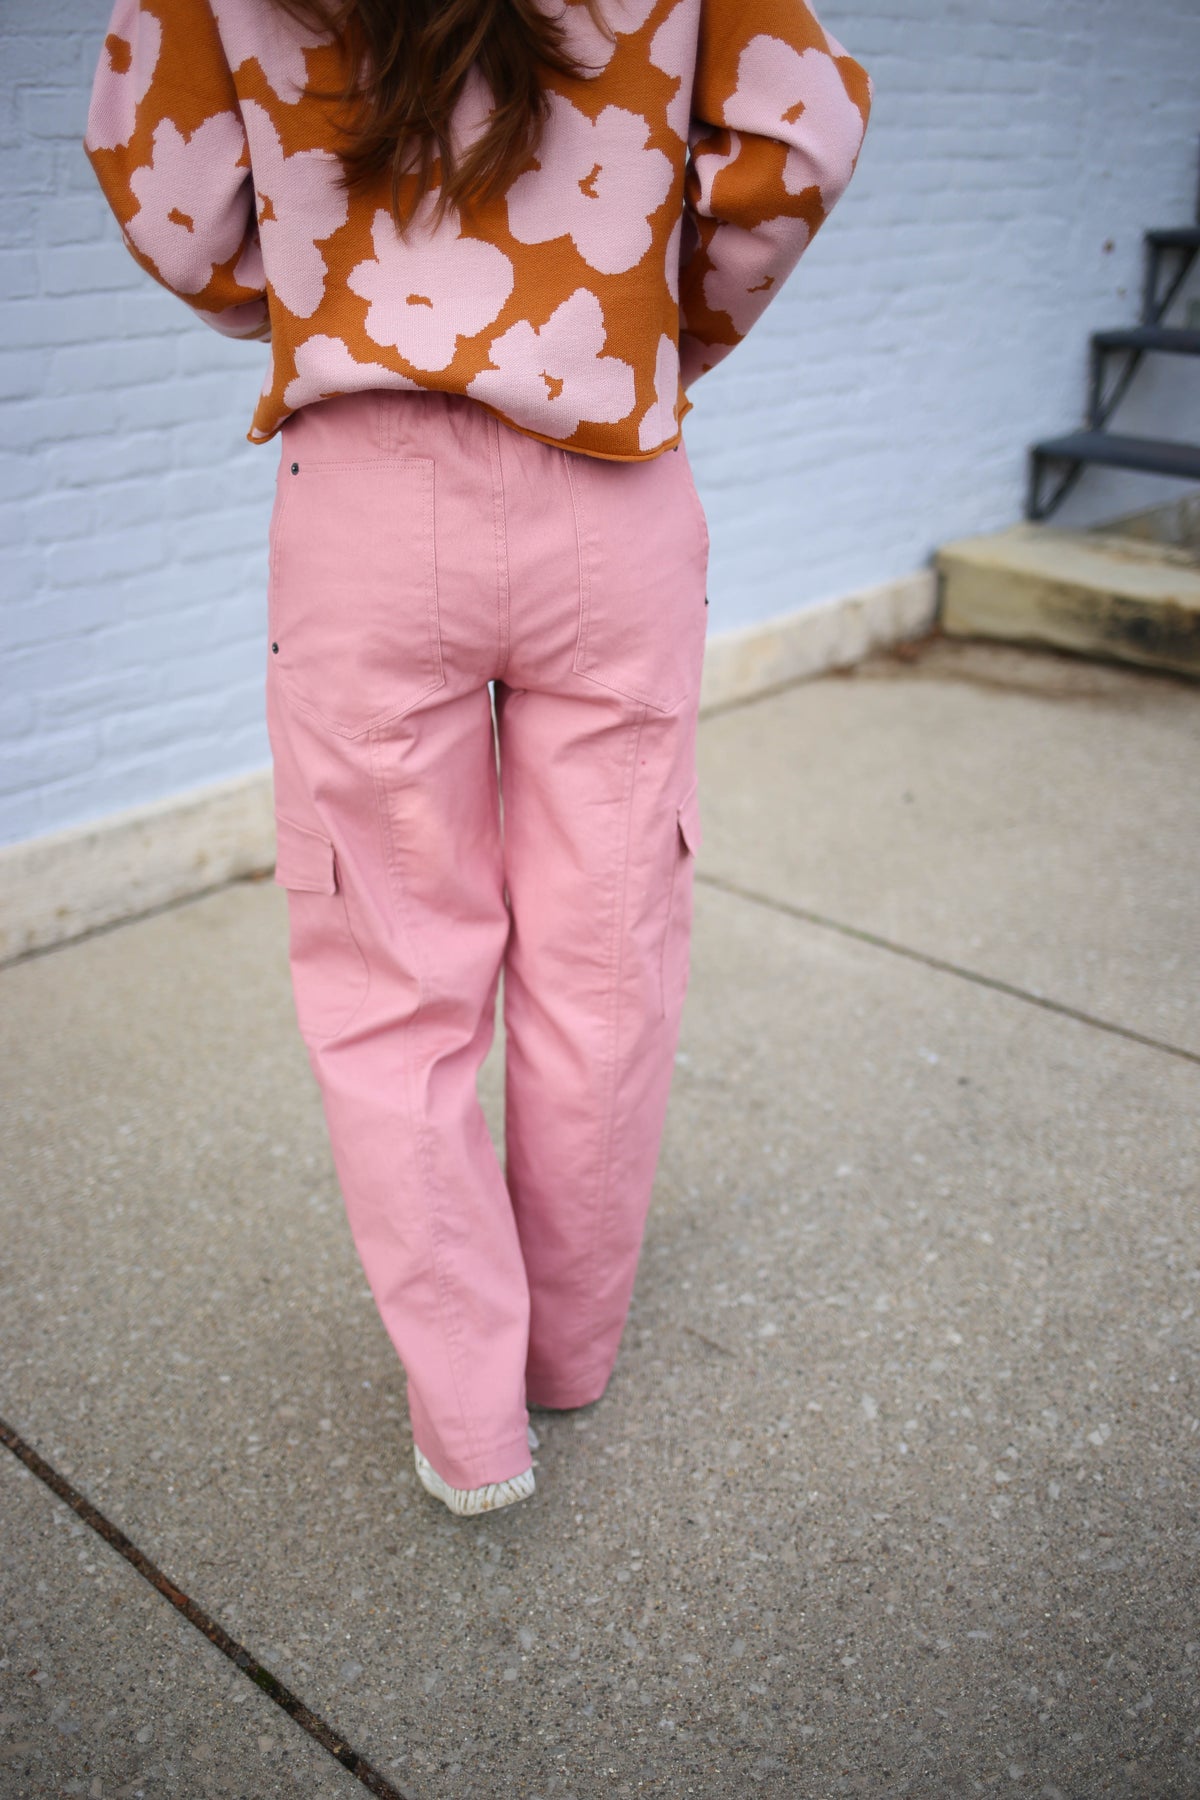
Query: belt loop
point(384, 411)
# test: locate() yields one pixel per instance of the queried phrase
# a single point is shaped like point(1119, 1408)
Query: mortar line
point(243, 1659)
point(791, 910)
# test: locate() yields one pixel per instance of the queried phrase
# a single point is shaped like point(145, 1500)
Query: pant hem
point(553, 1396)
point(501, 1464)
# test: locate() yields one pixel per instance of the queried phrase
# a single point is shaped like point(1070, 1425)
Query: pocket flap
point(303, 859)
point(689, 818)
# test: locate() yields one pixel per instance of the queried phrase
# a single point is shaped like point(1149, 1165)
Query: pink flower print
point(325, 366)
point(674, 244)
point(583, 42)
point(659, 421)
point(552, 379)
point(472, 112)
point(185, 223)
point(673, 50)
point(707, 163)
point(248, 271)
point(299, 204)
point(276, 41)
point(589, 47)
point(628, 16)
point(596, 183)
point(801, 98)
point(426, 294)
point(736, 283)
point(246, 321)
point(131, 49)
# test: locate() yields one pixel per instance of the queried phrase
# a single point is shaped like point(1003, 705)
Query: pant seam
point(615, 967)
point(500, 514)
point(446, 1312)
point(585, 573)
point(666, 936)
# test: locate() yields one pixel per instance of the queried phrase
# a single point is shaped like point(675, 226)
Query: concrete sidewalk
point(895, 1488)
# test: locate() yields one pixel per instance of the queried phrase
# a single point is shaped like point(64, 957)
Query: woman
point(488, 269)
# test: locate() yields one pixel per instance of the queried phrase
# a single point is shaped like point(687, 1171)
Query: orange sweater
point(674, 189)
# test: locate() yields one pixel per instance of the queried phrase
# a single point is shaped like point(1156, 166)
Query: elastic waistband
point(388, 422)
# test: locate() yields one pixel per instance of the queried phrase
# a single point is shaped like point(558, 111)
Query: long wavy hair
point(407, 63)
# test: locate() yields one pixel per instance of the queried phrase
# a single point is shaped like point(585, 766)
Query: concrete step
point(1101, 593)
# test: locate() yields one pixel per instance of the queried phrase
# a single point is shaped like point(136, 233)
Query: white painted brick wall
point(939, 323)
point(883, 404)
point(132, 509)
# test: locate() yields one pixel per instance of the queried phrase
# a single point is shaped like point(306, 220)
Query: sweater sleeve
point(167, 144)
point(779, 109)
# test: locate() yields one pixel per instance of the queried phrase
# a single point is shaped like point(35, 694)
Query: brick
point(146, 308)
point(112, 365)
point(148, 727)
point(22, 375)
point(51, 517)
point(44, 758)
point(98, 457)
point(28, 425)
point(73, 174)
point(83, 268)
point(106, 556)
point(104, 697)
point(173, 634)
point(17, 713)
point(26, 168)
point(19, 272)
point(21, 218)
point(62, 319)
point(43, 666)
point(19, 473)
point(48, 621)
point(227, 669)
point(22, 815)
point(51, 112)
point(73, 219)
point(28, 58)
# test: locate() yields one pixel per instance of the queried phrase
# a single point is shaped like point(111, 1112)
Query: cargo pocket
point(677, 936)
point(329, 971)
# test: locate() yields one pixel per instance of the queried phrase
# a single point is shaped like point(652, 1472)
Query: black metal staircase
point(1169, 253)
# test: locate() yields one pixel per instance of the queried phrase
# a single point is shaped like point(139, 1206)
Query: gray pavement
point(894, 1489)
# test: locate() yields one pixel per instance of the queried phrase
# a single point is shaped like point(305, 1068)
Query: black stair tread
point(1181, 237)
point(1154, 456)
point(1150, 337)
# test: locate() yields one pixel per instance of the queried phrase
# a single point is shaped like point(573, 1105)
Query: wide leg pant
point(419, 550)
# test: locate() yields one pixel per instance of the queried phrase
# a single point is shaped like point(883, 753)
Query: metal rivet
point(275, 649)
point(295, 468)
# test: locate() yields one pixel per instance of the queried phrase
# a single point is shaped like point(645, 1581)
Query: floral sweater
point(673, 191)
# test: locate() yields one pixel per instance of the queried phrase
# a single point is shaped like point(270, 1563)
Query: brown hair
point(407, 63)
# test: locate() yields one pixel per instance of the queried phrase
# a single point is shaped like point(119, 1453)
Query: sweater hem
point(256, 436)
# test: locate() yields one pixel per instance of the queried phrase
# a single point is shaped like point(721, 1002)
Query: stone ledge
point(833, 634)
point(1106, 594)
point(68, 883)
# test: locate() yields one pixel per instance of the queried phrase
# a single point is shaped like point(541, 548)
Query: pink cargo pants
point(420, 549)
